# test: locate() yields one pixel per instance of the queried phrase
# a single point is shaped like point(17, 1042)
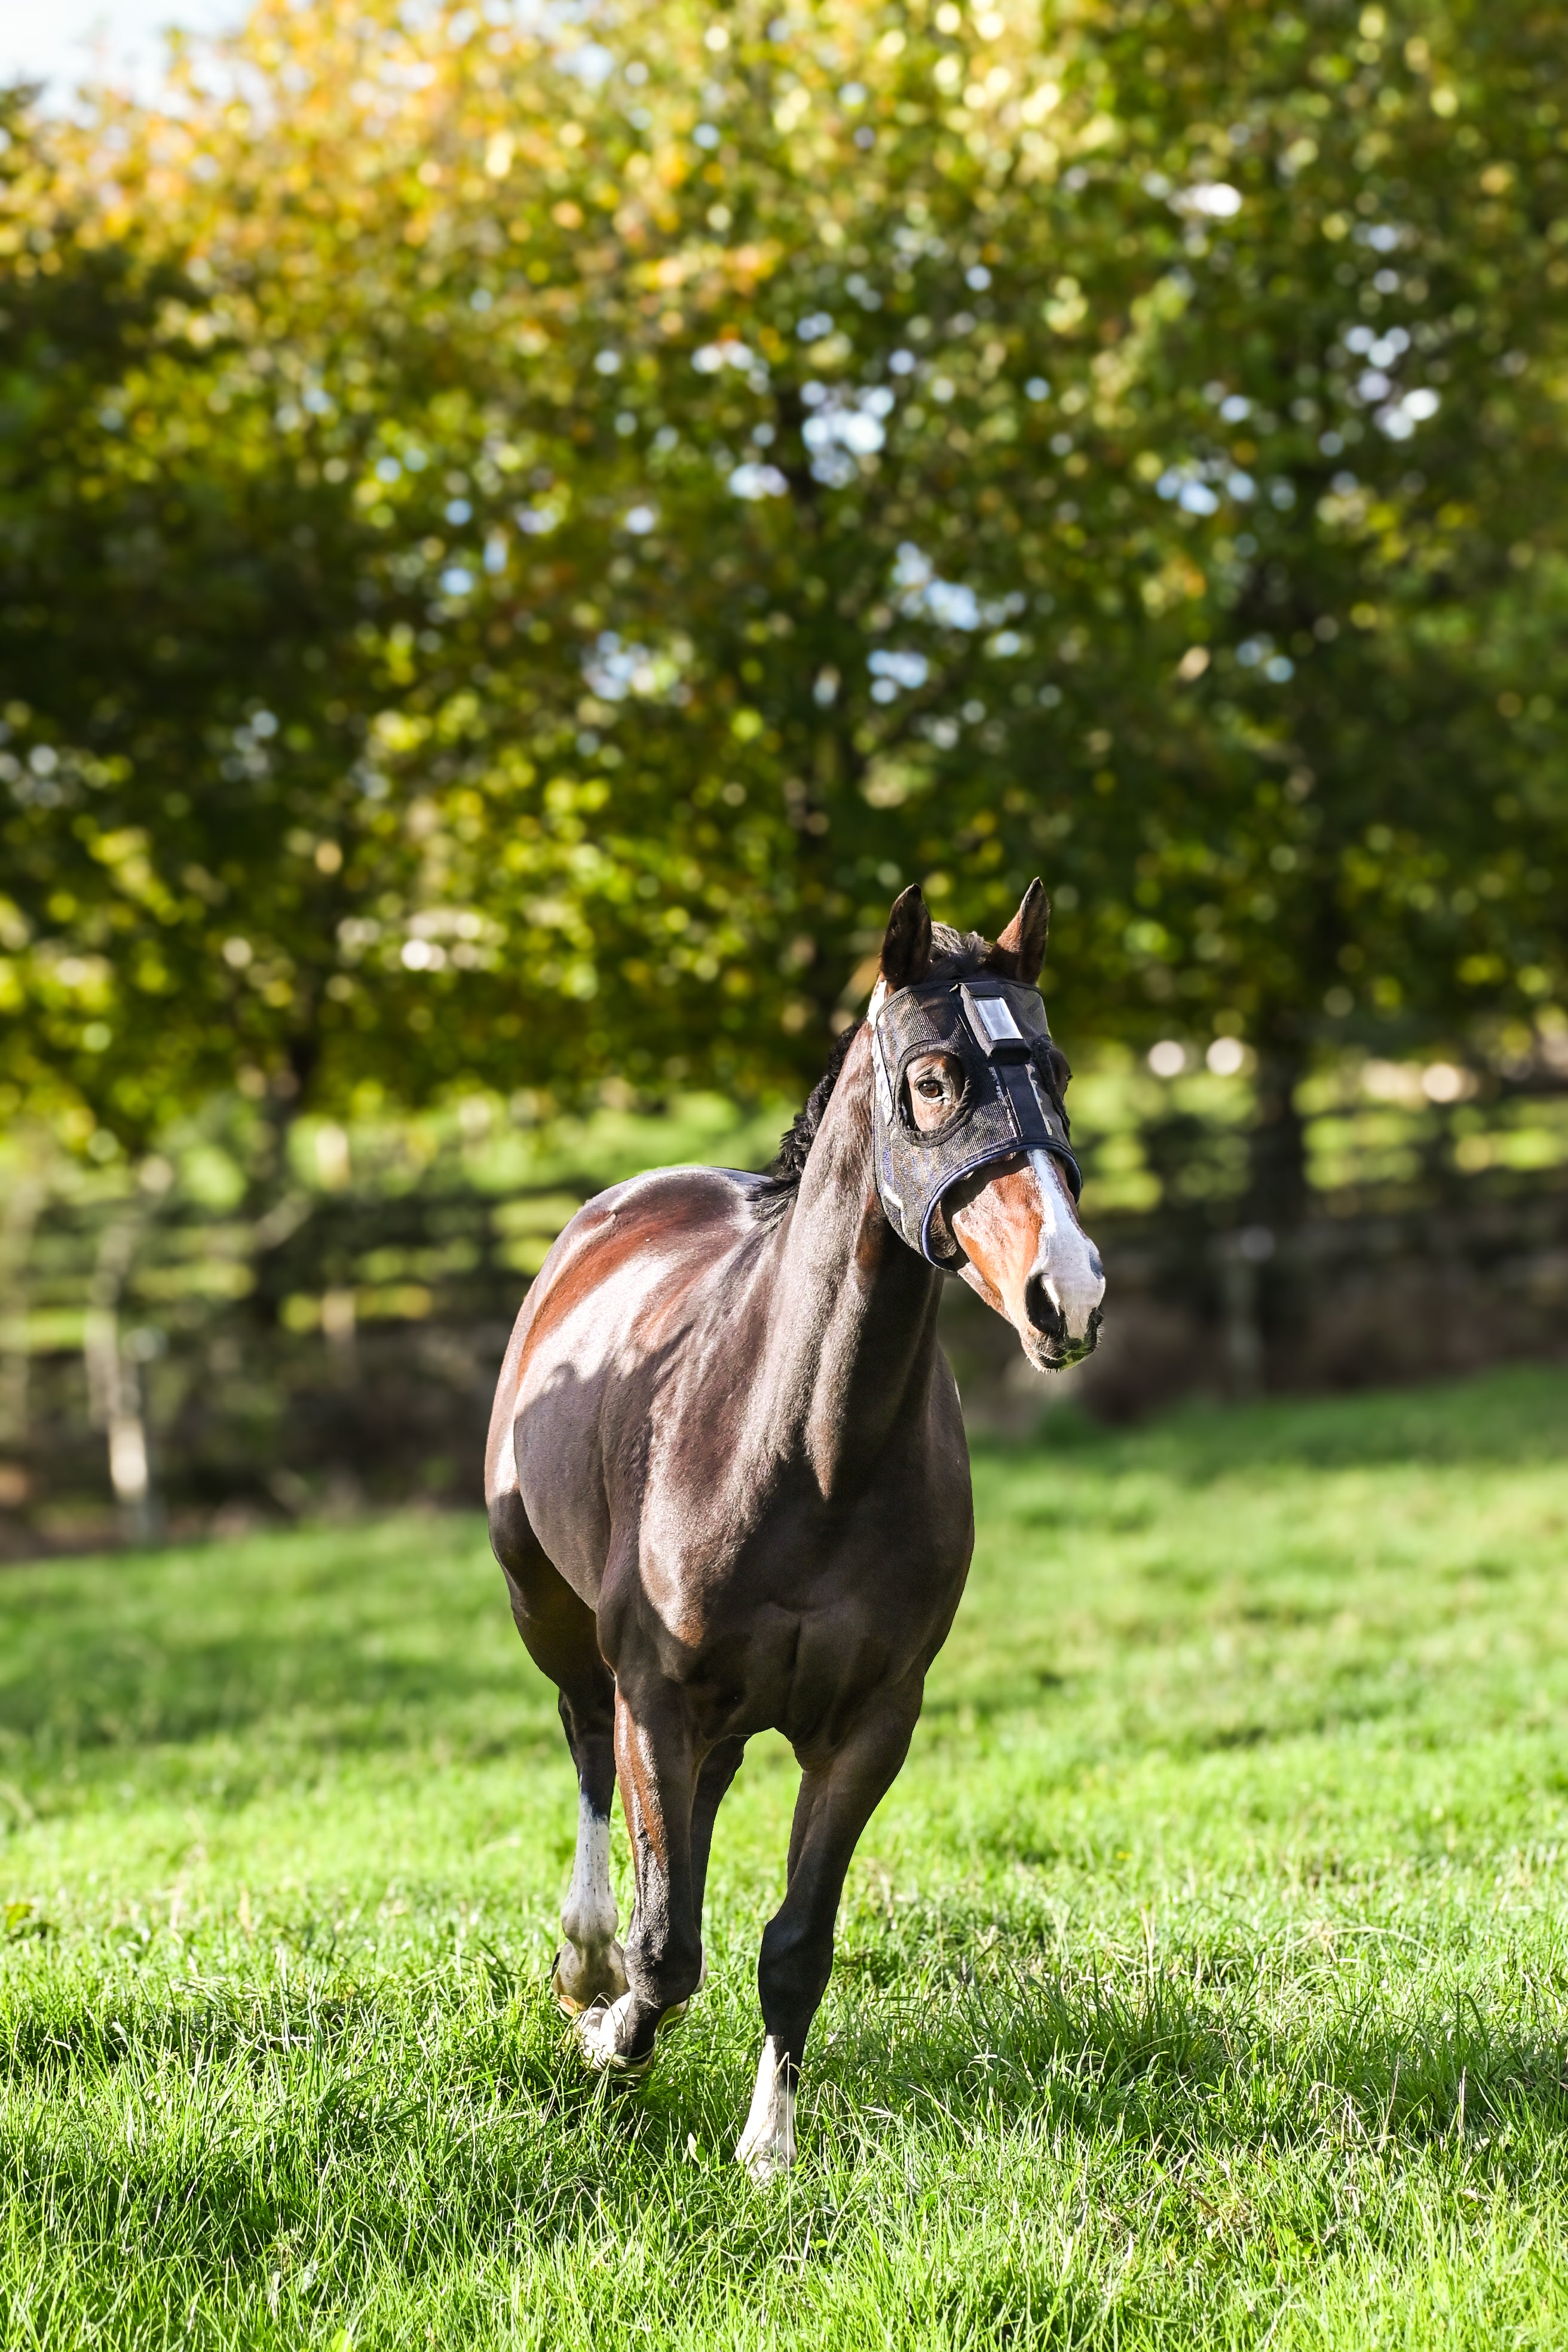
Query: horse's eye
point(934, 1088)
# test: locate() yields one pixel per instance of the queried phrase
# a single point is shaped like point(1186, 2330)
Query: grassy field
point(1203, 1982)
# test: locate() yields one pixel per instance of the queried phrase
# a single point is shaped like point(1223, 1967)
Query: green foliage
point(1349, 816)
point(525, 542)
point(1201, 1982)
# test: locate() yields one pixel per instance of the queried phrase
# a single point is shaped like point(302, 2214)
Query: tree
point(637, 696)
point(667, 490)
point(175, 599)
point(1338, 818)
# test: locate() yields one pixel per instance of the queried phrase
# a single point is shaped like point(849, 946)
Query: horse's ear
point(1021, 950)
point(906, 943)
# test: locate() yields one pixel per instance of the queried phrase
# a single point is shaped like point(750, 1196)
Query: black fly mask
point(1011, 1101)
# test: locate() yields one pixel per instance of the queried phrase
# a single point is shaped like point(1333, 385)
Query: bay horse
point(727, 1477)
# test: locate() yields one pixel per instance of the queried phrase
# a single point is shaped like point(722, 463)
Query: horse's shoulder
point(698, 1212)
point(661, 1230)
point(669, 1199)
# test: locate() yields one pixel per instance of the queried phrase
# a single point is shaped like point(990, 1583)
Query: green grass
point(1203, 1980)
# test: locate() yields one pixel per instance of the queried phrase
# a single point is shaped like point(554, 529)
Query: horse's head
point(973, 1161)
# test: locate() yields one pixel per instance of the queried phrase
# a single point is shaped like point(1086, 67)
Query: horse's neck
point(852, 1340)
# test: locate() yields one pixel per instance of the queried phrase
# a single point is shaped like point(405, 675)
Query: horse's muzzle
point(1047, 1343)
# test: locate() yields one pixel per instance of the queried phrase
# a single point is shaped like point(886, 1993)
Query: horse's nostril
point(1043, 1311)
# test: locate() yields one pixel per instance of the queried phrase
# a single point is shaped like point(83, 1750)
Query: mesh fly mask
point(1010, 1104)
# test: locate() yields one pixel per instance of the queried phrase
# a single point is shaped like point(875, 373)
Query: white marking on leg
point(591, 1965)
point(600, 2033)
point(767, 2144)
point(603, 2032)
point(589, 1915)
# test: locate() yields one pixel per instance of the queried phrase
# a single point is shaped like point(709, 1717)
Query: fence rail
point(255, 1327)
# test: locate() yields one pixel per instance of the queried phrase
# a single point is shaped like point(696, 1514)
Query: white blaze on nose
point(1067, 1261)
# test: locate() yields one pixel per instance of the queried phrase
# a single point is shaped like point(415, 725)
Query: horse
point(727, 1477)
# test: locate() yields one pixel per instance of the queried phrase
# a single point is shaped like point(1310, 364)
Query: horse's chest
point(792, 1620)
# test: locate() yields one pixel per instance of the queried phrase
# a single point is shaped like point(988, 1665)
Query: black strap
point(1037, 1130)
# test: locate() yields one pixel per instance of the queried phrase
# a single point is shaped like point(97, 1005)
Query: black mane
point(953, 954)
point(780, 1185)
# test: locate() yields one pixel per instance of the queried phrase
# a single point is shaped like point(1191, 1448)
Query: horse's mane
point(780, 1185)
point(952, 953)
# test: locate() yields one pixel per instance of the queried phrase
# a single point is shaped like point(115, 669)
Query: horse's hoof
point(598, 2038)
point(767, 2159)
point(580, 1985)
point(767, 2144)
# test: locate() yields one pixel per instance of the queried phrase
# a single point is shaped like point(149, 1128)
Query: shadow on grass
point(1163, 2061)
point(376, 1636)
point(113, 1694)
point(442, 2099)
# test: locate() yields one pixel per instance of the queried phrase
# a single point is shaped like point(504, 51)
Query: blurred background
point(521, 527)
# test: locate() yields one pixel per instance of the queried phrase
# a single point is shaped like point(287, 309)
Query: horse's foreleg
point(590, 1966)
point(835, 1804)
point(654, 1764)
point(562, 1638)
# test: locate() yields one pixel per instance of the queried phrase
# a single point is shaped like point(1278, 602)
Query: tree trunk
point(114, 1378)
point(1276, 1160)
point(1260, 1301)
point(24, 1202)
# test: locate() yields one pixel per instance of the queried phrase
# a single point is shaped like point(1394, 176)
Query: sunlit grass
point(1201, 1981)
